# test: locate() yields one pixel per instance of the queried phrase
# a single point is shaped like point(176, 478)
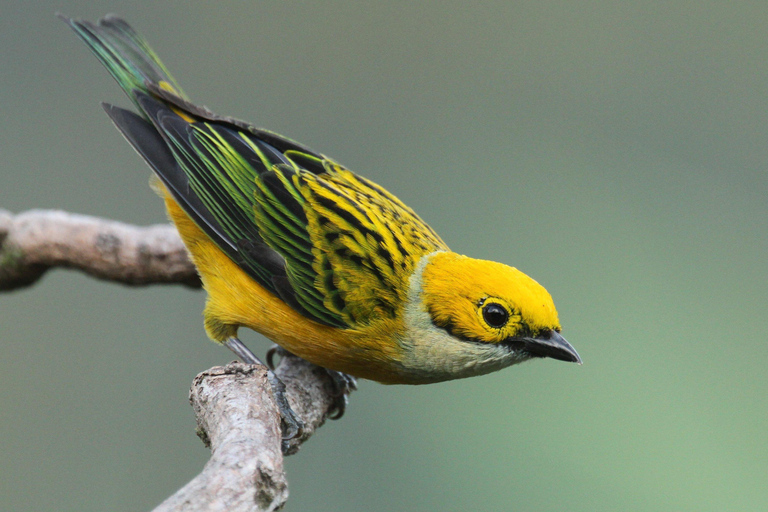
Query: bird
point(325, 263)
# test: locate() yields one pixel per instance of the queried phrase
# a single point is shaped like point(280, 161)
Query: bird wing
point(334, 246)
point(364, 241)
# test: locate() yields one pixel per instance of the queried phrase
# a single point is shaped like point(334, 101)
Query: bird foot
point(343, 384)
point(292, 425)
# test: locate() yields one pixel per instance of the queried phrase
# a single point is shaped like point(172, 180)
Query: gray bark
point(35, 241)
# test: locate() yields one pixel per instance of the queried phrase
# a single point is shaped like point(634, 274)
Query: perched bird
point(327, 264)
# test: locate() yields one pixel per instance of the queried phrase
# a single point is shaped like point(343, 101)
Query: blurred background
point(615, 151)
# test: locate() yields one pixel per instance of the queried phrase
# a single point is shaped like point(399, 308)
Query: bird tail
point(126, 54)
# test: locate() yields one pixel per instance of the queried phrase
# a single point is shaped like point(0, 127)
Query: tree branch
point(238, 419)
point(236, 412)
point(35, 241)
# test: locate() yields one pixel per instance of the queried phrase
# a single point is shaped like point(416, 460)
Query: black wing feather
point(153, 147)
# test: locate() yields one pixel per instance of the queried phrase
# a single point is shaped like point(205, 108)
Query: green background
point(615, 151)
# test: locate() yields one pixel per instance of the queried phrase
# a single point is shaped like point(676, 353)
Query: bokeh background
point(616, 151)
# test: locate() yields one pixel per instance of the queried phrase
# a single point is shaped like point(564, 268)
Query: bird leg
point(293, 426)
point(343, 384)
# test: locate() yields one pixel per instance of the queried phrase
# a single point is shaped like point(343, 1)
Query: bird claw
point(343, 385)
point(275, 349)
point(292, 425)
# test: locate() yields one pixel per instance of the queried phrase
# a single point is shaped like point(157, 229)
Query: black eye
point(495, 315)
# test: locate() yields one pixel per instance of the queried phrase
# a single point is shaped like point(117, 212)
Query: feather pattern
point(334, 246)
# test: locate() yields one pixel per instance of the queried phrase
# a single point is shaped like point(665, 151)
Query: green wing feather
point(349, 246)
point(336, 247)
point(125, 53)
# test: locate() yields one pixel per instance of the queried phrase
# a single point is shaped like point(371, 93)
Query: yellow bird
point(327, 264)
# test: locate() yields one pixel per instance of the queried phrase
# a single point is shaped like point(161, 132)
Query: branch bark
point(35, 241)
point(237, 416)
point(238, 419)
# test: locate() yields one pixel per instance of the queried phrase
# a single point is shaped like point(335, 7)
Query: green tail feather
point(127, 56)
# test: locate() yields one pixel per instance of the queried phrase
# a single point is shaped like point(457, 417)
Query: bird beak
point(551, 345)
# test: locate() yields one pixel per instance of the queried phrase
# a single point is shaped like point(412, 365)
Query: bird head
point(474, 316)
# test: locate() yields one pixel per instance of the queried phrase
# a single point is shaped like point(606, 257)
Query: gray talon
point(343, 385)
point(274, 349)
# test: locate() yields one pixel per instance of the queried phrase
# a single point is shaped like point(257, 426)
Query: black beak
point(550, 344)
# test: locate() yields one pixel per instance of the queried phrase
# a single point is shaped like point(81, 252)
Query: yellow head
point(468, 317)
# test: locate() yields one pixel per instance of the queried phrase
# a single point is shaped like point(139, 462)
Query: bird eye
point(495, 315)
